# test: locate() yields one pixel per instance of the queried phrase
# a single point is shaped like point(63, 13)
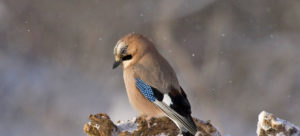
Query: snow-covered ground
point(128, 125)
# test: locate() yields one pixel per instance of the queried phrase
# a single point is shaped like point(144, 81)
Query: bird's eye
point(124, 50)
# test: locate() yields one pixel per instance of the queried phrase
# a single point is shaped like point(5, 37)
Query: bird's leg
point(148, 119)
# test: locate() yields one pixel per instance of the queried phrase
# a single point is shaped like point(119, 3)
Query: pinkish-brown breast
point(142, 105)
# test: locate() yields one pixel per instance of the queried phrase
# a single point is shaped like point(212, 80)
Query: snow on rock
point(162, 134)
point(269, 125)
point(101, 125)
point(128, 126)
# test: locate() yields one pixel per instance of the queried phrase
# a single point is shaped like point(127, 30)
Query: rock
point(101, 125)
point(269, 125)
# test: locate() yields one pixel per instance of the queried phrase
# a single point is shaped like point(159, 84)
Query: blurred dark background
point(234, 58)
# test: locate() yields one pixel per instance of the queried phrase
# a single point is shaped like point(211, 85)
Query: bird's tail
point(184, 123)
point(187, 134)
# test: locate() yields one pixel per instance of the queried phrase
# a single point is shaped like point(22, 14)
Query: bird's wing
point(175, 105)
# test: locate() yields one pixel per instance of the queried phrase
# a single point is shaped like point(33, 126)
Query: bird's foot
point(149, 120)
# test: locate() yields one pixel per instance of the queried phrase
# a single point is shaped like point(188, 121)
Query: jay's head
point(130, 49)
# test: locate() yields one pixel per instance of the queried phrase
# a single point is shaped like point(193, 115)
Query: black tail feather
point(186, 134)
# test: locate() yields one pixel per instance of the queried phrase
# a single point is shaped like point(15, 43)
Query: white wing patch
point(167, 99)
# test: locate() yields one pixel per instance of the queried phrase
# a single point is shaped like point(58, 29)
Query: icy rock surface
point(269, 125)
point(101, 125)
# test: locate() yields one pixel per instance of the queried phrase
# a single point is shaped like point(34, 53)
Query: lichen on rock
point(101, 125)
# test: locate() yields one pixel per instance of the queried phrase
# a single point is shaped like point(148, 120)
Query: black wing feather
point(181, 104)
point(159, 96)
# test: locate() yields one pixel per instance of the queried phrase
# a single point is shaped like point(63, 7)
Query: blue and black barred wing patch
point(172, 106)
point(145, 89)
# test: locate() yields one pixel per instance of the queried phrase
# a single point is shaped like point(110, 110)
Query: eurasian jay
point(151, 83)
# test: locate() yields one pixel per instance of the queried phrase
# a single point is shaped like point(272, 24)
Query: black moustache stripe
point(127, 57)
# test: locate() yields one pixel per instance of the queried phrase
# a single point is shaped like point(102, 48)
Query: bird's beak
point(117, 63)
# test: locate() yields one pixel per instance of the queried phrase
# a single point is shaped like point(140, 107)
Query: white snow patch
point(94, 125)
point(103, 117)
point(261, 125)
point(115, 132)
point(128, 126)
point(162, 134)
point(280, 134)
point(198, 133)
point(154, 124)
point(97, 126)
